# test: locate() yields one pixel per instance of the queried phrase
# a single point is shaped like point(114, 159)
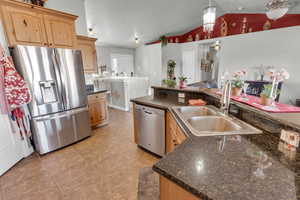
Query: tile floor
point(102, 167)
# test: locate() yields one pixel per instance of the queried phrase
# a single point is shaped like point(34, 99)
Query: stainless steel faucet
point(226, 97)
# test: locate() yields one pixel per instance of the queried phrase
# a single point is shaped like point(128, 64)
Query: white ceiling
point(116, 22)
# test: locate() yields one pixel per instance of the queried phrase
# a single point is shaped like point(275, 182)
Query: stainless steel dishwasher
point(150, 127)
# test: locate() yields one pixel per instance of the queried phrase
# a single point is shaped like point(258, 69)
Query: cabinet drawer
point(96, 97)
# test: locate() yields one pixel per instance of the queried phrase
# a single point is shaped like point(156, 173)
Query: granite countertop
point(290, 119)
point(228, 167)
point(162, 103)
point(96, 91)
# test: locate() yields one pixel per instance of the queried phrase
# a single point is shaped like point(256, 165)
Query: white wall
point(148, 63)
point(104, 54)
point(171, 52)
point(279, 48)
point(75, 7)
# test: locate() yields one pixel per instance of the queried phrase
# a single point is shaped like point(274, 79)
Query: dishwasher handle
point(147, 112)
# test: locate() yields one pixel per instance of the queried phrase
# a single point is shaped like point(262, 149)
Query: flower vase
point(181, 84)
point(266, 101)
point(236, 91)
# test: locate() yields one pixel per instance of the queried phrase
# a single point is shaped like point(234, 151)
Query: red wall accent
point(254, 21)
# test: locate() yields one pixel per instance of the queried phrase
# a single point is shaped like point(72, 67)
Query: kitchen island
point(228, 167)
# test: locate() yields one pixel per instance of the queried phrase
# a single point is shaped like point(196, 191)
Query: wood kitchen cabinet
point(60, 31)
point(174, 134)
point(171, 191)
point(98, 109)
point(27, 24)
point(89, 55)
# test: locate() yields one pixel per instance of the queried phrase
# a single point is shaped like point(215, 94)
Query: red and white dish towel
point(16, 92)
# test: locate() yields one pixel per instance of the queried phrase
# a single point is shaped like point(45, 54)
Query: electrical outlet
point(181, 95)
point(290, 137)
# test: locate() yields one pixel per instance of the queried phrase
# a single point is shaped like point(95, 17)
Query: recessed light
point(240, 8)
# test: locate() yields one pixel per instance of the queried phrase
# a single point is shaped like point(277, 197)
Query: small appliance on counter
point(59, 102)
point(298, 102)
point(89, 88)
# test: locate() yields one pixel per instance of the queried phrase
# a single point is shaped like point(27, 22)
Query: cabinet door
point(98, 109)
point(94, 113)
point(60, 32)
point(89, 57)
point(174, 134)
point(24, 26)
point(103, 109)
point(171, 191)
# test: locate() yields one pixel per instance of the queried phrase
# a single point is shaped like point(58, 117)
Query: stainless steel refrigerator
point(59, 101)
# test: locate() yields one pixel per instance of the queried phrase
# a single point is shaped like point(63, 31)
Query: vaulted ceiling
point(117, 22)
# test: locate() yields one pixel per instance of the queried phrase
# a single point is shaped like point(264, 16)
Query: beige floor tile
point(37, 184)
point(51, 194)
point(102, 167)
point(84, 192)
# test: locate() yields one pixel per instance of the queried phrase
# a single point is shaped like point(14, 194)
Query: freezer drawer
point(151, 128)
point(55, 131)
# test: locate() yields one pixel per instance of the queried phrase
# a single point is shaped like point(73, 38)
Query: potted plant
point(237, 83)
point(164, 40)
point(39, 2)
point(266, 95)
point(170, 83)
point(276, 76)
point(182, 81)
point(171, 69)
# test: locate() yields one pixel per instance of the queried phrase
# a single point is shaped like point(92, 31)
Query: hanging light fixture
point(277, 9)
point(209, 18)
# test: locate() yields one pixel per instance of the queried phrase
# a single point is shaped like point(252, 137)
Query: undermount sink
point(191, 111)
point(208, 121)
point(213, 124)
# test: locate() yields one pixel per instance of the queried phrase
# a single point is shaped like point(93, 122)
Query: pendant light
point(277, 9)
point(209, 18)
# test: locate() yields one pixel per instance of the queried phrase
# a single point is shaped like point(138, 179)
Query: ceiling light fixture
point(277, 9)
point(209, 18)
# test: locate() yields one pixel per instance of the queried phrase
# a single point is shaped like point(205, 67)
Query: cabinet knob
point(25, 22)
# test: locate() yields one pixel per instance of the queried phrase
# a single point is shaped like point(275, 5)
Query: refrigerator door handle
point(58, 116)
point(53, 117)
point(59, 77)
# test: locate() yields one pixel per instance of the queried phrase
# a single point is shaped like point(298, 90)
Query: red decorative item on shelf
point(259, 22)
point(244, 26)
point(224, 28)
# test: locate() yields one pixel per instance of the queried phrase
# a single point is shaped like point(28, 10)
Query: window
point(122, 63)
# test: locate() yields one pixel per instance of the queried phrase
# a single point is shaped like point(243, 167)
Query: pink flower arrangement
point(237, 82)
point(279, 75)
point(239, 74)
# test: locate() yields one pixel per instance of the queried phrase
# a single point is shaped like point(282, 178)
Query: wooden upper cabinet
point(60, 32)
point(24, 26)
point(89, 55)
point(27, 24)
